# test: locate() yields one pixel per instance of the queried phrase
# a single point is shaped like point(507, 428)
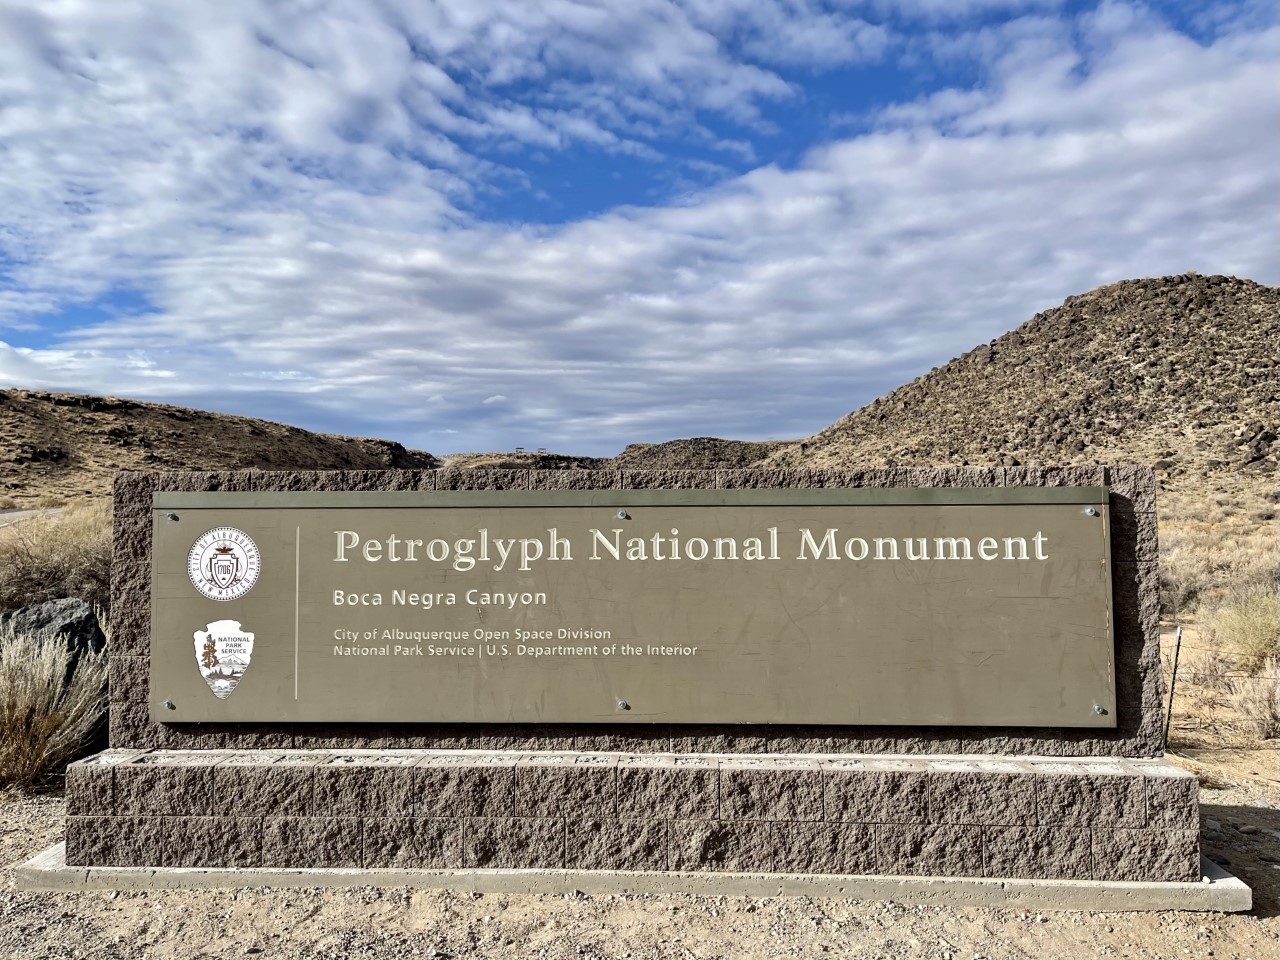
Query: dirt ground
point(403, 923)
point(1239, 775)
point(1240, 816)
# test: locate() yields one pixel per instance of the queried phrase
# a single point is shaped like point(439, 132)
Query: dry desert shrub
point(1257, 700)
point(1183, 574)
point(55, 555)
point(1219, 564)
point(1244, 627)
point(1212, 671)
point(51, 702)
point(1209, 706)
point(1211, 549)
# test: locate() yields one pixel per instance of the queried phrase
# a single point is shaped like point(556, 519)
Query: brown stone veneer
point(953, 816)
point(1136, 604)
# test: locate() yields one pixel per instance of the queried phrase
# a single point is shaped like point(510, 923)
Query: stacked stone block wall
point(1110, 819)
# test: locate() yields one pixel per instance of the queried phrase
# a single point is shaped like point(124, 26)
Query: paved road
point(9, 517)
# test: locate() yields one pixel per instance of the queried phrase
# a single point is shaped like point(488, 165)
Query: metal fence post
point(1173, 683)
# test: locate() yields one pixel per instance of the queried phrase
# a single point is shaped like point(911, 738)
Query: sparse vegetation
point(1220, 570)
point(1177, 372)
point(65, 554)
point(1257, 699)
point(1213, 549)
point(1244, 626)
point(1258, 702)
point(48, 708)
point(62, 446)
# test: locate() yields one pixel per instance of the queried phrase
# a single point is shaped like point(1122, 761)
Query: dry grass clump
point(1257, 700)
point(55, 555)
point(48, 708)
point(1244, 627)
point(1219, 565)
point(1213, 547)
point(1213, 672)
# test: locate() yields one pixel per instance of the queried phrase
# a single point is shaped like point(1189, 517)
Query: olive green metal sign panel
point(987, 607)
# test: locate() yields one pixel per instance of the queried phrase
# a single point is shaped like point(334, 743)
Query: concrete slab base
point(1217, 890)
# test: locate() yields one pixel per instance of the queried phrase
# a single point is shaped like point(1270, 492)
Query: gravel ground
point(404, 923)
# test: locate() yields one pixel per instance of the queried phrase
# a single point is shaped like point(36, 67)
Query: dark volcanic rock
point(72, 619)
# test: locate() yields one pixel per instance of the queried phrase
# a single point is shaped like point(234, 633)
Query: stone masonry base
point(996, 817)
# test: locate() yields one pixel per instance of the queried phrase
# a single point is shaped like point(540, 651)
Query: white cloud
point(296, 211)
point(954, 10)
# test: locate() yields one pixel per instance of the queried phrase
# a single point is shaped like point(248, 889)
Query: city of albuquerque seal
point(224, 563)
point(223, 652)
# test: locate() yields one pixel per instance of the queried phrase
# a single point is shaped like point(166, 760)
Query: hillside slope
point(1180, 372)
point(68, 445)
point(696, 453)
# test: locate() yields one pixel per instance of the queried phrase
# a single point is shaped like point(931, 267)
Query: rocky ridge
point(66, 445)
point(1178, 372)
point(702, 452)
point(523, 460)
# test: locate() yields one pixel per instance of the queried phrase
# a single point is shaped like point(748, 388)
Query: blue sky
point(477, 225)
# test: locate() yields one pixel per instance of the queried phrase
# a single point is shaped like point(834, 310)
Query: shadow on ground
point(1246, 841)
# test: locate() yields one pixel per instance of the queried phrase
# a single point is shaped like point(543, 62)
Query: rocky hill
point(64, 445)
point(1179, 372)
point(697, 453)
point(700, 453)
point(523, 460)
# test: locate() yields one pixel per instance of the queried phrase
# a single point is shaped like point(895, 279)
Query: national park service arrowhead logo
point(223, 652)
point(224, 563)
